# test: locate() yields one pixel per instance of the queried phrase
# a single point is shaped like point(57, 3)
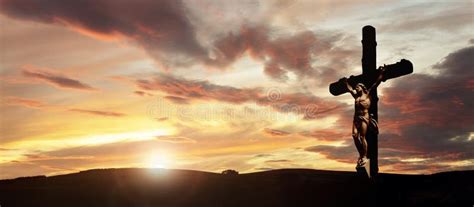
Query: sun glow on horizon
point(158, 160)
point(69, 142)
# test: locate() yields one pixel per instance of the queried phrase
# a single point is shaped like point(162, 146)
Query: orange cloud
point(292, 53)
point(275, 132)
point(182, 90)
point(55, 79)
point(142, 93)
point(327, 134)
point(160, 27)
point(177, 99)
point(197, 89)
point(30, 103)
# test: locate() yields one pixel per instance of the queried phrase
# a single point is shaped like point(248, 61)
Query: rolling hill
point(285, 187)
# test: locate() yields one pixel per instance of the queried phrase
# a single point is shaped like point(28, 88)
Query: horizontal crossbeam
point(404, 67)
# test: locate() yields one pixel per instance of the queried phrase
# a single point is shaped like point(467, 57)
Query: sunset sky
point(215, 85)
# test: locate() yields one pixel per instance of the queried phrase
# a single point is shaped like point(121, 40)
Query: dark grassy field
point(286, 187)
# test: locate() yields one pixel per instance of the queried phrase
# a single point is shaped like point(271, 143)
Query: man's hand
point(348, 86)
point(381, 72)
point(382, 68)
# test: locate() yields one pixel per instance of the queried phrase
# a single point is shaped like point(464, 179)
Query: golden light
point(158, 160)
point(91, 140)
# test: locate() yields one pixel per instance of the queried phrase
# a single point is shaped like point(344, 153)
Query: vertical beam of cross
point(369, 62)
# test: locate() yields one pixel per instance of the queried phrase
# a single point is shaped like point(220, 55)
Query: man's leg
point(357, 143)
point(362, 132)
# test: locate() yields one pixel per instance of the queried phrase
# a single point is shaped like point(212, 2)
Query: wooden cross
point(368, 78)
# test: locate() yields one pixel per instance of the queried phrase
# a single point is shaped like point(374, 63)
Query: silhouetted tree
point(230, 172)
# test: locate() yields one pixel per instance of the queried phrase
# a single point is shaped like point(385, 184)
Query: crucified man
point(363, 121)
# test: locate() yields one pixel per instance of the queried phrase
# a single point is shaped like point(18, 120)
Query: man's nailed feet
point(363, 161)
point(359, 161)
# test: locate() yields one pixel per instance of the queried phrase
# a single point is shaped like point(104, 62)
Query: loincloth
point(372, 124)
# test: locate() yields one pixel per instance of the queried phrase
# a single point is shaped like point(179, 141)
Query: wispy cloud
point(195, 89)
point(177, 99)
point(175, 139)
point(99, 113)
point(30, 103)
point(142, 93)
point(275, 132)
point(182, 90)
point(56, 79)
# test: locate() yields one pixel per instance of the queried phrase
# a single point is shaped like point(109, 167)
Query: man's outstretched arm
point(379, 79)
point(349, 88)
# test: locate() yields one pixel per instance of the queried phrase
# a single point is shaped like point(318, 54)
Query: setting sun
point(158, 160)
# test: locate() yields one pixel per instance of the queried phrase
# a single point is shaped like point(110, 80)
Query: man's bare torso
point(362, 105)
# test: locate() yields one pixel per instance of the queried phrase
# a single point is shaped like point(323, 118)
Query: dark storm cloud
point(295, 53)
point(164, 29)
point(443, 101)
point(433, 116)
point(56, 79)
point(284, 54)
point(160, 27)
point(441, 107)
point(99, 113)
